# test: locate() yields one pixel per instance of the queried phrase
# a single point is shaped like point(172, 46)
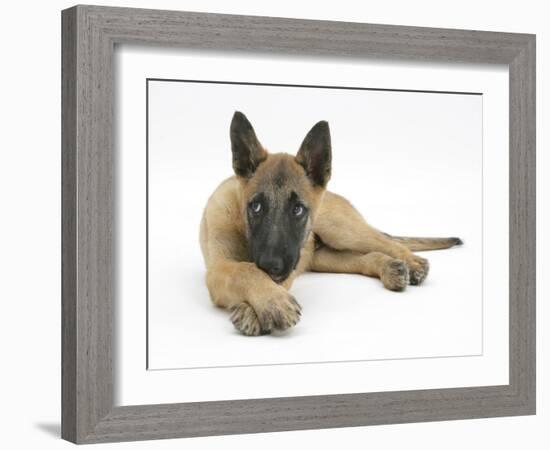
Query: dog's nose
point(273, 265)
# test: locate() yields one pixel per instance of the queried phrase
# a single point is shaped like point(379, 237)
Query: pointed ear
point(247, 151)
point(315, 154)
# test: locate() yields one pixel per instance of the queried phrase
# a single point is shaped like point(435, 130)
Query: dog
point(275, 219)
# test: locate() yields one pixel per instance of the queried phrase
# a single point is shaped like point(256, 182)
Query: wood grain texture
point(89, 36)
point(88, 210)
point(522, 281)
point(68, 226)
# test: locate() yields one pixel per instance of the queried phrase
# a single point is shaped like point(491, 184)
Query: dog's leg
point(393, 273)
point(258, 304)
point(340, 226)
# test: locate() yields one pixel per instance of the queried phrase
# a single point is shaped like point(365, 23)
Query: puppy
point(274, 219)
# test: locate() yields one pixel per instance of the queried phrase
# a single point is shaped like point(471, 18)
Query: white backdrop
point(411, 162)
point(30, 192)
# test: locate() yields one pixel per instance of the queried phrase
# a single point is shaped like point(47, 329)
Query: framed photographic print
point(278, 224)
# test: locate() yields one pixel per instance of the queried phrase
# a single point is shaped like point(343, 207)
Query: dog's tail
point(418, 244)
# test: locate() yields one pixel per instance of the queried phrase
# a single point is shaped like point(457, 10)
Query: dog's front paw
point(279, 312)
point(418, 269)
point(245, 320)
point(395, 275)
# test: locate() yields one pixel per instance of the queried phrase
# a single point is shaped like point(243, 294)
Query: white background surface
point(30, 227)
point(423, 178)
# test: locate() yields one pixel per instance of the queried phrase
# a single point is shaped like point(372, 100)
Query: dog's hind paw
point(418, 269)
point(245, 320)
point(395, 275)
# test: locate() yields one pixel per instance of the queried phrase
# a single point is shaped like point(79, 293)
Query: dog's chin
point(276, 278)
point(279, 279)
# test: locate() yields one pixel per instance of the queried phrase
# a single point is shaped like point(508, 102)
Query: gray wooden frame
point(89, 36)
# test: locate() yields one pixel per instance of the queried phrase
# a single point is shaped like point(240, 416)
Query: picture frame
point(89, 36)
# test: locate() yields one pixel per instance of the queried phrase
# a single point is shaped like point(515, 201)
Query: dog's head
point(281, 194)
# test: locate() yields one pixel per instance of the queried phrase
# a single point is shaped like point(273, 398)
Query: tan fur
point(338, 240)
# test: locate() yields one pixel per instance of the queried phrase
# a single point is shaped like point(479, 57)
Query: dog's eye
point(255, 207)
point(298, 210)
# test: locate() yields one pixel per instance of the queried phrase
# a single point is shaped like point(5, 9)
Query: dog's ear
point(315, 154)
point(247, 151)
